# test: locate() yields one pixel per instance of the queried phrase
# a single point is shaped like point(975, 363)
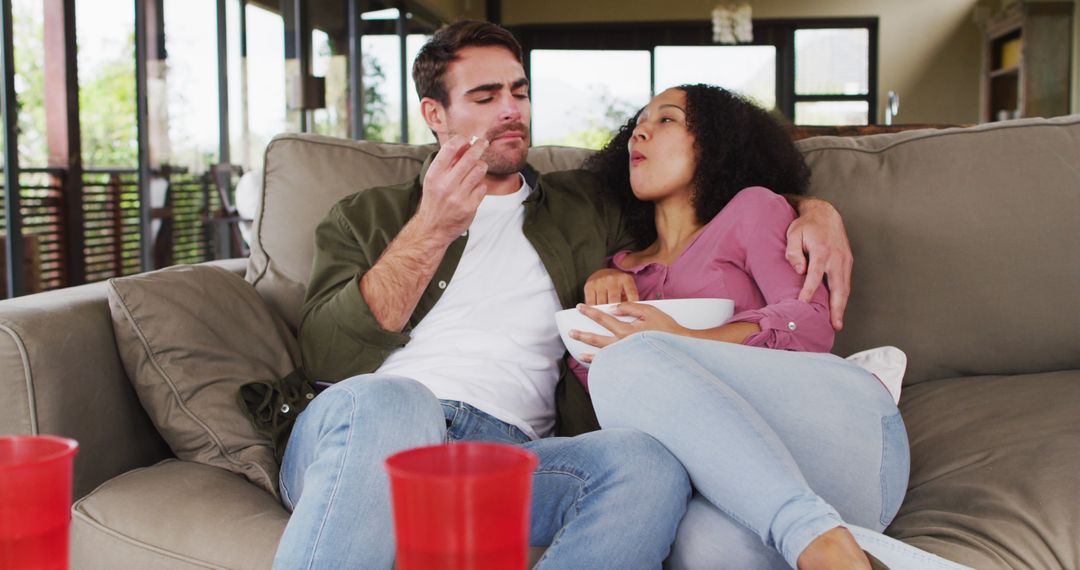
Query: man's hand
point(610, 286)
point(818, 233)
point(453, 188)
point(452, 191)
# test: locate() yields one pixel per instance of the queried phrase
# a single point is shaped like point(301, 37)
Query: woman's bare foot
point(834, 550)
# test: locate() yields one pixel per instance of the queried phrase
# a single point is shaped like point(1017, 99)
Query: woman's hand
point(610, 286)
point(646, 318)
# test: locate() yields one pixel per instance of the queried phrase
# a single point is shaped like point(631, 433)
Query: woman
point(785, 447)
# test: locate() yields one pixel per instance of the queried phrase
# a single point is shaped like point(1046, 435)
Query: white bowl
point(691, 313)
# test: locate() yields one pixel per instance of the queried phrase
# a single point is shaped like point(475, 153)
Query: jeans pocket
point(895, 466)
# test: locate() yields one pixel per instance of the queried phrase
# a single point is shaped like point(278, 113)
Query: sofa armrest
point(62, 375)
point(237, 265)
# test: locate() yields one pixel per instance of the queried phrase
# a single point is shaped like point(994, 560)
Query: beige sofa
point(966, 245)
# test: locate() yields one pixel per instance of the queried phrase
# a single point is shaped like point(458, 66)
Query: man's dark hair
point(736, 145)
point(431, 62)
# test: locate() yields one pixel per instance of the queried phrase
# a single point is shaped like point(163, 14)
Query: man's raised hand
point(453, 187)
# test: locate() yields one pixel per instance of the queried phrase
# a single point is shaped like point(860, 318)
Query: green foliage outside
point(106, 98)
point(375, 116)
point(615, 112)
point(107, 112)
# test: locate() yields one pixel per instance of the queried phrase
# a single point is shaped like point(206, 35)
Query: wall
point(451, 10)
point(930, 50)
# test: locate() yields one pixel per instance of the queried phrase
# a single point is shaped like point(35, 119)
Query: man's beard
point(506, 162)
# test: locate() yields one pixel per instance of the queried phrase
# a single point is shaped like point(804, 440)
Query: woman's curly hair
point(737, 144)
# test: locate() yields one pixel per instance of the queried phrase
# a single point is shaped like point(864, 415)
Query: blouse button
point(442, 284)
point(791, 325)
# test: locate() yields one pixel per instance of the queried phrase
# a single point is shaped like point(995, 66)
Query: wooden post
point(63, 132)
point(149, 50)
point(356, 71)
point(12, 199)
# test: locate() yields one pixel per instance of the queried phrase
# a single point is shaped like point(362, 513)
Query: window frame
point(779, 33)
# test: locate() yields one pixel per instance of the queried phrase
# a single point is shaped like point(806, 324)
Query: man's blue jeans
point(607, 499)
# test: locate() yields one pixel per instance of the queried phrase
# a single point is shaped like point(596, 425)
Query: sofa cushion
point(994, 463)
point(176, 514)
point(305, 175)
point(965, 244)
point(189, 337)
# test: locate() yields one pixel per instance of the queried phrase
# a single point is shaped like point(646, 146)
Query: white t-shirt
point(491, 341)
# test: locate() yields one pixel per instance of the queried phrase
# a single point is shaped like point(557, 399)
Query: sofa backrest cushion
point(965, 240)
point(305, 175)
point(966, 244)
point(189, 337)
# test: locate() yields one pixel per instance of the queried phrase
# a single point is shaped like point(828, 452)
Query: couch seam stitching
point(349, 146)
point(28, 374)
point(937, 134)
point(135, 542)
point(172, 388)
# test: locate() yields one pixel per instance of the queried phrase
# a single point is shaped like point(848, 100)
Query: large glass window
point(191, 85)
point(382, 89)
point(266, 79)
point(419, 133)
point(581, 97)
point(29, 42)
point(106, 63)
point(811, 71)
point(749, 70)
point(832, 76)
point(382, 93)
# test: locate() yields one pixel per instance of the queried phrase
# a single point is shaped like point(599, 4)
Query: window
point(812, 71)
point(832, 76)
point(749, 70)
point(384, 91)
point(265, 80)
point(190, 85)
point(107, 82)
point(581, 97)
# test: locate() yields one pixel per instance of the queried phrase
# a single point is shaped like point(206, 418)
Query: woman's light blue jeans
point(607, 499)
point(781, 446)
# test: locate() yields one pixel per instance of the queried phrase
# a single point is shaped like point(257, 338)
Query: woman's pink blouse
point(740, 255)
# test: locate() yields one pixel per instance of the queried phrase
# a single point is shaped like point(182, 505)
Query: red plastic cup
point(35, 501)
point(462, 506)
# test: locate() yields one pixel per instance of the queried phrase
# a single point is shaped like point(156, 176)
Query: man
point(434, 299)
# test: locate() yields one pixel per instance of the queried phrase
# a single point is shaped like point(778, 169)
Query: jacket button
point(442, 284)
point(285, 408)
point(791, 325)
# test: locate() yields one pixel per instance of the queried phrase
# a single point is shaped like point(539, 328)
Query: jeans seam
point(886, 496)
point(646, 338)
point(582, 490)
point(337, 482)
point(284, 490)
